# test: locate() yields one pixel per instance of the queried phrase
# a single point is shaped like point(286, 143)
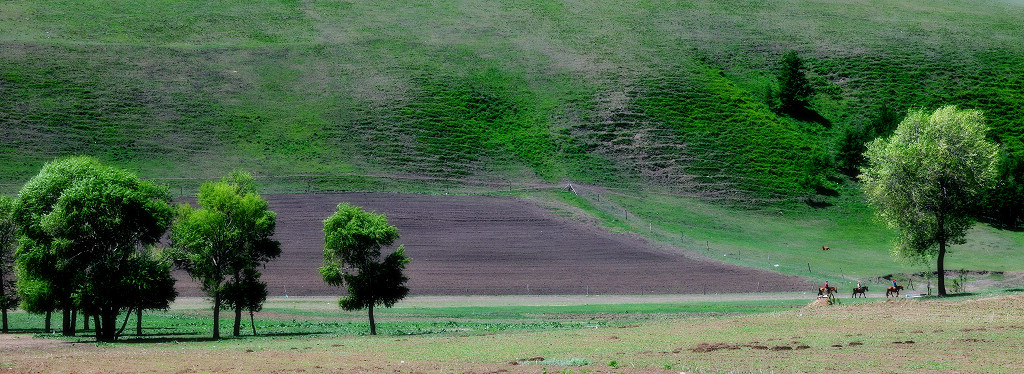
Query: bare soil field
point(481, 245)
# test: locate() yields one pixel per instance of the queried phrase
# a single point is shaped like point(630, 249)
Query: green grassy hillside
point(669, 103)
point(790, 240)
point(345, 94)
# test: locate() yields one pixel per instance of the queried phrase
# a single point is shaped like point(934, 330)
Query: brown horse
point(893, 291)
point(822, 291)
point(859, 290)
point(825, 248)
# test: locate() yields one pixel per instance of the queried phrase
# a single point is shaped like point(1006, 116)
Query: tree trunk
point(49, 315)
point(138, 322)
point(941, 268)
point(238, 322)
point(216, 316)
point(127, 315)
point(67, 329)
point(85, 321)
point(373, 326)
point(252, 322)
point(3, 289)
point(108, 327)
point(940, 223)
point(96, 325)
point(74, 320)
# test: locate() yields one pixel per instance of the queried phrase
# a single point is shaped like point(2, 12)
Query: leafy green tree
point(927, 178)
point(151, 284)
point(229, 236)
point(352, 257)
point(81, 219)
point(795, 89)
point(8, 293)
point(38, 297)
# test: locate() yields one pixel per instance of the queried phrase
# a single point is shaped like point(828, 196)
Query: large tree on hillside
point(8, 293)
point(223, 242)
point(81, 224)
point(352, 256)
point(927, 179)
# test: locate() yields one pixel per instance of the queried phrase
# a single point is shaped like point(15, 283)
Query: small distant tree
point(795, 89)
point(927, 180)
point(82, 219)
point(229, 236)
point(352, 258)
point(8, 293)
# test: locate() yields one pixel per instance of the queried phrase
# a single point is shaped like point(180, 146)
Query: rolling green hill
point(653, 97)
point(663, 93)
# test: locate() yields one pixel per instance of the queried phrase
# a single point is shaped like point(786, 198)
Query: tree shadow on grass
point(191, 338)
point(950, 295)
point(164, 339)
point(810, 115)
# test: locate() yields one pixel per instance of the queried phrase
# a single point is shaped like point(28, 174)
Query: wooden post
point(808, 267)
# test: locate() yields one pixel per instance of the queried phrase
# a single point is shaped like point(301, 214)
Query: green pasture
point(790, 238)
point(666, 103)
point(745, 334)
point(191, 320)
point(346, 95)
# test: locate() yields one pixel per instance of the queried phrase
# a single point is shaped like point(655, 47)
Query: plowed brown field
point(480, 245)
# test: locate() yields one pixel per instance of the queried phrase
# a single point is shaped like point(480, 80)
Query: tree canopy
point(352, 257)
point(81, 223)
point(224, 242)
point(927, 179)
point(795, 89)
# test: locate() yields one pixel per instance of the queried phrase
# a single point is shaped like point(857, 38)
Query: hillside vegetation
point(329, 94)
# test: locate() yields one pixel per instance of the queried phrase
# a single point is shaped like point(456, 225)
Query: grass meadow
point(608, 334)
point(344, 94)
point(790, 240)
point(666, 103)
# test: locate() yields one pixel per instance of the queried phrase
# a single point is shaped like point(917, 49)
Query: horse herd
point(830, 291)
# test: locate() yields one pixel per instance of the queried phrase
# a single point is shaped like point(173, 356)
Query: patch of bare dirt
point(481, 245)
point(12, 342)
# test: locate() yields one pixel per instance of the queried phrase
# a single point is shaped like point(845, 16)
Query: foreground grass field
point(702, 334)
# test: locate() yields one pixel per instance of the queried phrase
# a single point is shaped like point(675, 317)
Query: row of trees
point(83, 237)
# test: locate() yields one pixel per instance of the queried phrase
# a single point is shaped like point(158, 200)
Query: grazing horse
point(822, 291)
point(859, 290)
point(825, 248)
point(893, 291)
